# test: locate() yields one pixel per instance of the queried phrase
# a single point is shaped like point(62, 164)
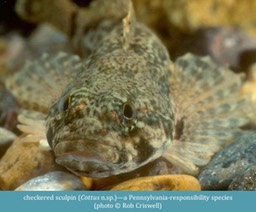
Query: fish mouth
point(95, 161)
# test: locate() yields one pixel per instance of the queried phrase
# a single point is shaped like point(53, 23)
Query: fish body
point(115, 105)
point(126, 103)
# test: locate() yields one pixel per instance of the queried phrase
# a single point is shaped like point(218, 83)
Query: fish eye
point(67, 103)
point(127, 111)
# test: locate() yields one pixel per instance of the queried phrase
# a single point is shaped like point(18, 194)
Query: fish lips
point(86, 159)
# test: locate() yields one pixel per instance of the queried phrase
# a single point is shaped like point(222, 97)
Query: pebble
point(225, 45)
point(53, 181)
point(24, 161)
point(6, 139)
point(229, 163)
point(8, 109)
point(246, 181)
point(161, 182)
point(249, 86)
point(87, 182)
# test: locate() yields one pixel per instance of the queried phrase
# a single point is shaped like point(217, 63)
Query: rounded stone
point(53, 181)
point(161, 182)
point(6, 139)
point(24, 161)
point(246, 181)
point(229, 163)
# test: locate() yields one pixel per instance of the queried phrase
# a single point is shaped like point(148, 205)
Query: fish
point(122, 102)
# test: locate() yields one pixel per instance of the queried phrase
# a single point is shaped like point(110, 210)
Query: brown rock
point(250, 86)
point(6, 139)
point(87, 182)
point(195, 14)
point(161, 182)
point(24, 161)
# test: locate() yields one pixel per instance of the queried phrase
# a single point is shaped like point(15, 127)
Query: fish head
point(109, 130)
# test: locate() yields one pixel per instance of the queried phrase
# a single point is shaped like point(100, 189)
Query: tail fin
point(209, 109)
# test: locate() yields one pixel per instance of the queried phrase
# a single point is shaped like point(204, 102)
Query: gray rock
point(230, 162)
point(245, 181)
point(53, 181)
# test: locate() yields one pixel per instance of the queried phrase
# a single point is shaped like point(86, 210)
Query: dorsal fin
point(128, 22)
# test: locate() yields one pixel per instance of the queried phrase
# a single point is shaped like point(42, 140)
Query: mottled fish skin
point(118, 105)
point(127, 104)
